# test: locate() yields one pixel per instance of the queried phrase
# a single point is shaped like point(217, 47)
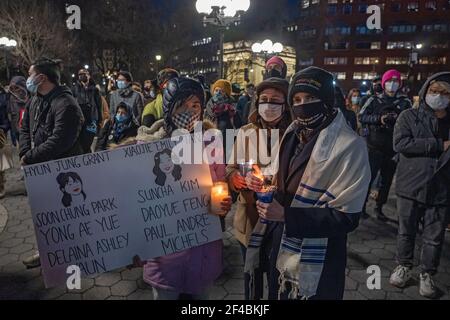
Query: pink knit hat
point(391, 74)
point(276, 60)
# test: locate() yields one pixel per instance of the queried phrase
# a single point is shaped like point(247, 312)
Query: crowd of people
point(337, 151)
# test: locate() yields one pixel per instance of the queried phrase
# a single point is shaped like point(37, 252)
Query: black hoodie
point(421, 153)
point(51, 127)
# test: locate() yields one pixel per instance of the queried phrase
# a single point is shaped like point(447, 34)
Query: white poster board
point(98, 211)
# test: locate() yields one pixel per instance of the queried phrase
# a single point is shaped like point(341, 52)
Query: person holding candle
point(322, 182)
point(271, 113)
point(193, 271)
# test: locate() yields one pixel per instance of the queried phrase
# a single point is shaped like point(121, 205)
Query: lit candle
point(218, 193)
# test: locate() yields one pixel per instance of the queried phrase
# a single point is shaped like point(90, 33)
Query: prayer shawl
point(337, 176)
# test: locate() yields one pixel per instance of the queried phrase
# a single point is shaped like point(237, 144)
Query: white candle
point(218, 193)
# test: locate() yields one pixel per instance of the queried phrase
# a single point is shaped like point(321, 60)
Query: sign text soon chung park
point(97, 211)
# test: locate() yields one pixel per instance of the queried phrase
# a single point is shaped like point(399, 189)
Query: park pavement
point(373, 243)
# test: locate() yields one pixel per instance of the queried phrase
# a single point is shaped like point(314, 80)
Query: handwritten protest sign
point(99, 210)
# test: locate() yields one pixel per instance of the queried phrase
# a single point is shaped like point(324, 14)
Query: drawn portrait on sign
point(71, 186)
point(165, 170)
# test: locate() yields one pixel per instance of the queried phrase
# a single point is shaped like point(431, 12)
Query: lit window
point(341, 75)
point(431, 5)
point(335, 61)
point(396, 60)
point(367, 60)
point(413, 6)
point(364, 75)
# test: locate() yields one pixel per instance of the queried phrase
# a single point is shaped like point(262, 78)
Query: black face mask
point(274, 73)
point(377, 88)
point(310, 115)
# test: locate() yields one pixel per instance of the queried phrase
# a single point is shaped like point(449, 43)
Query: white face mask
point(392, 86)
point(271, 111)
point(437, 101)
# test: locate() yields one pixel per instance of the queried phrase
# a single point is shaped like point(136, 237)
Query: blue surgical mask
point(121, 118)
point(32, 86)
point(121, 84)
point(355, 100)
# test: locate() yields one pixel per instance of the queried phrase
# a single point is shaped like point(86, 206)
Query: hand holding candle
point(255, 179)
point(220, 199)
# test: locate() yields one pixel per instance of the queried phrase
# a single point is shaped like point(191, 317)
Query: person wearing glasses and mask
point(422, 139)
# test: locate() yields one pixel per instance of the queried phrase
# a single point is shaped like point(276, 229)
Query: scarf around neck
point(300, 261)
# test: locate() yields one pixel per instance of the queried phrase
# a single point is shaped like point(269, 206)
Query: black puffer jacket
point(90, 102)
point(417, 141)
point(51, 127)
point(380, 135)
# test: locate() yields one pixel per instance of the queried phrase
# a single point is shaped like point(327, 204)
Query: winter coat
point(153, 111)
point(51, 127)
point(420, 148)
point(379, 136)
point(16, 105)
point(131, 97)
point(243, 108)
point(4, 121)
point(90, 102)
point(109, 134)
point(222, 112)
point(319, 200)
point(246, 214)
point(193, 270)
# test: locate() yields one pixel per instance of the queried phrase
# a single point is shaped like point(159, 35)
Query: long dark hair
point(63, 180)
point(161, 176)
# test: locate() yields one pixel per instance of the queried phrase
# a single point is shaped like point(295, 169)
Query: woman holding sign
point(193, 271)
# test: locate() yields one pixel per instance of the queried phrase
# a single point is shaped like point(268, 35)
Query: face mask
point(121, 118)
point(310, 115)
point(32, 86)
point(186, 120)
point(355, 100)
point(437, 101)
point(274, 73)
point(392, 86)
point(378, 88)
point(83, 78)
point(271, 111)
point(121, 84)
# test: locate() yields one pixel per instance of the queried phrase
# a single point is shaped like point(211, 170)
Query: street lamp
point(158, 59)
point(86, 66)
point(223, 14)
point(267, 47)
point(7, 44)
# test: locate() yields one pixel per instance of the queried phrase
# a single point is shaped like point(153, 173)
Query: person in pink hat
point(276, 68)
point(378, 117)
